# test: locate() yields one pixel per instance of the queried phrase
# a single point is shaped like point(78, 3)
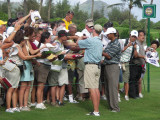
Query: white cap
point(10, 30)
point(79, 34)
point(134, 33)
point(110, 30)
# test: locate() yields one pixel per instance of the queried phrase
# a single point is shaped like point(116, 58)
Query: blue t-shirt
point(93, 49)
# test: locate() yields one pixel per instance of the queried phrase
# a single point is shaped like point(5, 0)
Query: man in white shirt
point(88, 28)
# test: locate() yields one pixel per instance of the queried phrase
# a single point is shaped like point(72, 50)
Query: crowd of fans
point(41, 61)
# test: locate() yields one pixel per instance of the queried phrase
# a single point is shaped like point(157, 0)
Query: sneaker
point(126, 97)
point(74, 101)
point(119, 98)
point(26, 108)
point(61, 104)
point(40, 106)
point(16, 109)
point(44, 107)
point(65, 98)
point(140, 95)
point(121, 90)
point(9, 110)
point(33, 104)
point(114, 111)
point(103, 97)
point(54, 104)
point(94, 113)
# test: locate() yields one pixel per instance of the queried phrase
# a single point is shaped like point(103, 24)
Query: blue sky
point(136, 11)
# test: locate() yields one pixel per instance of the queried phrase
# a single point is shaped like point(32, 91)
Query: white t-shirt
point(105, 40)
point(45, 61)
point(4, 35)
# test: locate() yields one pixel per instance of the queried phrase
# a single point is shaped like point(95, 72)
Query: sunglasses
point(91, 27)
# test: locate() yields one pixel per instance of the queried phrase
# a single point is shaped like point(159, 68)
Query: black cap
point(62, 33)
point(10, 21)
point(108, 24)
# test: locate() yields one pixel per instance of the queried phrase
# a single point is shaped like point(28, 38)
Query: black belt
point(91, 63)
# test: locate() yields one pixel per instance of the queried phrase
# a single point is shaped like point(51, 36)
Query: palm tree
point(9, 9)
point(131, 4)
point(92, 10)
point(49, 9)
point(25, 7)
point(40, 6)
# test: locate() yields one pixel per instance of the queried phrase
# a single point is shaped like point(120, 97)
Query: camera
point(151, 49)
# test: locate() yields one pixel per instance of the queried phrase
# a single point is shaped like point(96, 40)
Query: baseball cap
point(134, 33)
point(89, 22)
point(3, 22)
point(110, 30)
point(10, 21)
point(62, 33)
point(108, 24)
point(98, 28)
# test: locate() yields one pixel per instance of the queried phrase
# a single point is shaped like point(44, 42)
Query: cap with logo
point(134, 33)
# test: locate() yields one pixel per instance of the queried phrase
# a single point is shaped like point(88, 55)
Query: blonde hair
point(72, 25)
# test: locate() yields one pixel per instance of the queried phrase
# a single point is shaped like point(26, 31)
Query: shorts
point(27, 74)
point(126, 73)
point(63, 77)
point(41, 72)
point(53, 78)
point(91, 76)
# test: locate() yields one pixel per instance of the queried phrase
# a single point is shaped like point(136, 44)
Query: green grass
point(140, 109)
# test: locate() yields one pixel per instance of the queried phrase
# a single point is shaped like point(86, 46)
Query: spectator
point(136, 64)
point(141, 40)
point(127, 54)
point(68, 18)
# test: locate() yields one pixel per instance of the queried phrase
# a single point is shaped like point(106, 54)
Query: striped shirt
point(113, 49)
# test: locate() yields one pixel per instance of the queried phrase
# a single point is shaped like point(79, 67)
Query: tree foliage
point(119, 15)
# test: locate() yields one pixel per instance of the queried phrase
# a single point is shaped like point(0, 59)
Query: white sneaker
point(65, 98)
point(140, 95)
point(74, 101)
point(93, 114)
point(26, 108)
point(9, 110)
point(126, 97)
point(33, 104)
point(119, 98)
point(40, 106)
point(44, 107)
point(103, 97)
point(122, 90)
point(16, 109)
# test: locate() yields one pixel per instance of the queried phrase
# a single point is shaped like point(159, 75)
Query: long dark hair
point(44, 36)
point(19, 37)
